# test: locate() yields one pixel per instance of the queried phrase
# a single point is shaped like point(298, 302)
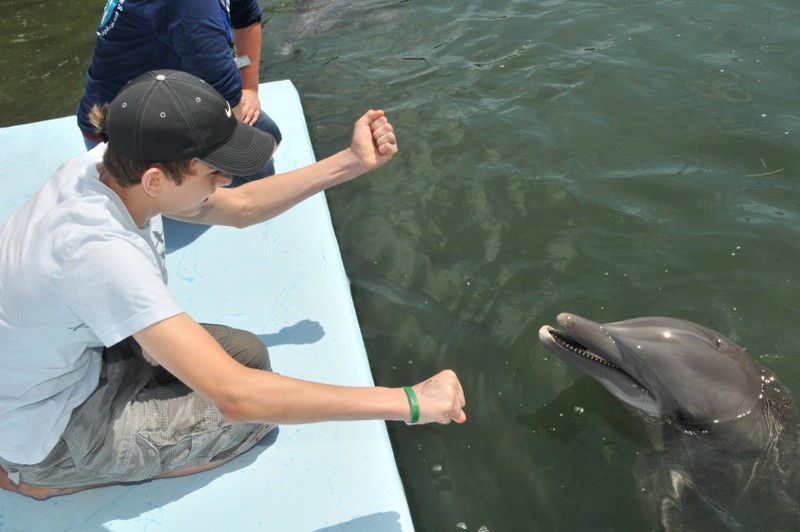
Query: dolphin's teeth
point(579, 349)
point(600, 360)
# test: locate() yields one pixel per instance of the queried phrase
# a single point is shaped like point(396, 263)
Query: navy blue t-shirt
point(136, 36)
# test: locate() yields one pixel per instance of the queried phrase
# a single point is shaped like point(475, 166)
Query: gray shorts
point(142, 422)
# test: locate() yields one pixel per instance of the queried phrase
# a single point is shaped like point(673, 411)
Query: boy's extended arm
point(372, 146)
point(190, 353)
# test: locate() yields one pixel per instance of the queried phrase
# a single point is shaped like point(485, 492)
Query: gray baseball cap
point(166, 116)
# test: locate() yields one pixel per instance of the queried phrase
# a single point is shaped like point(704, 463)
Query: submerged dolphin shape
point(725, 430)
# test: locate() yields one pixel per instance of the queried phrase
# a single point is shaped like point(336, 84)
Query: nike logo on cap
point(228, 110)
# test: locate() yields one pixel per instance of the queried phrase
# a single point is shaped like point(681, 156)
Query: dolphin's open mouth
point(582, 348)
point(576, 347)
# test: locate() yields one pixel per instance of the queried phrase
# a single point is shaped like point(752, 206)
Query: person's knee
point(251, 351)
point(244, 346)
point(267, 124)
point(258, 353)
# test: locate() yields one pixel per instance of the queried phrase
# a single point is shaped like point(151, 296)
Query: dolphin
point(725, 431)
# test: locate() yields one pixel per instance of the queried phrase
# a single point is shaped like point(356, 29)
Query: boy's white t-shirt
point(76, 274)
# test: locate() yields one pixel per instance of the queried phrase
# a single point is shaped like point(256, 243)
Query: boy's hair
point(127, 171)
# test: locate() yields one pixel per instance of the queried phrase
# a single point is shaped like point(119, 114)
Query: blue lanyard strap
point(226, 18)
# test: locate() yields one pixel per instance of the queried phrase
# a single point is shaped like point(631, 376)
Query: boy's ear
point(152, 181)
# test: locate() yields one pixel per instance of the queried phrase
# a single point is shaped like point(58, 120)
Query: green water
point(612, 159)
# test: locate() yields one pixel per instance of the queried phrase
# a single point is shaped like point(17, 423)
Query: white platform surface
point(284, 281)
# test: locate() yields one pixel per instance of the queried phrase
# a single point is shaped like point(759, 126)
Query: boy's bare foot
point(41, 493)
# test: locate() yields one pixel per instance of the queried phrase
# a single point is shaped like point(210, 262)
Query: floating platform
point(283, 280)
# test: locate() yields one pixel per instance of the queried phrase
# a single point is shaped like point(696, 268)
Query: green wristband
point(413, 403)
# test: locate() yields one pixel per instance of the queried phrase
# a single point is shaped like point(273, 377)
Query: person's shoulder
point(240, 4)
point(82, 163)
point(245, 12)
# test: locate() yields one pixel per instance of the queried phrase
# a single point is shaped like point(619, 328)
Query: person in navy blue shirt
point(218, 41)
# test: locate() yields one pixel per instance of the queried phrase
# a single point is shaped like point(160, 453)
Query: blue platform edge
point(283, 280)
